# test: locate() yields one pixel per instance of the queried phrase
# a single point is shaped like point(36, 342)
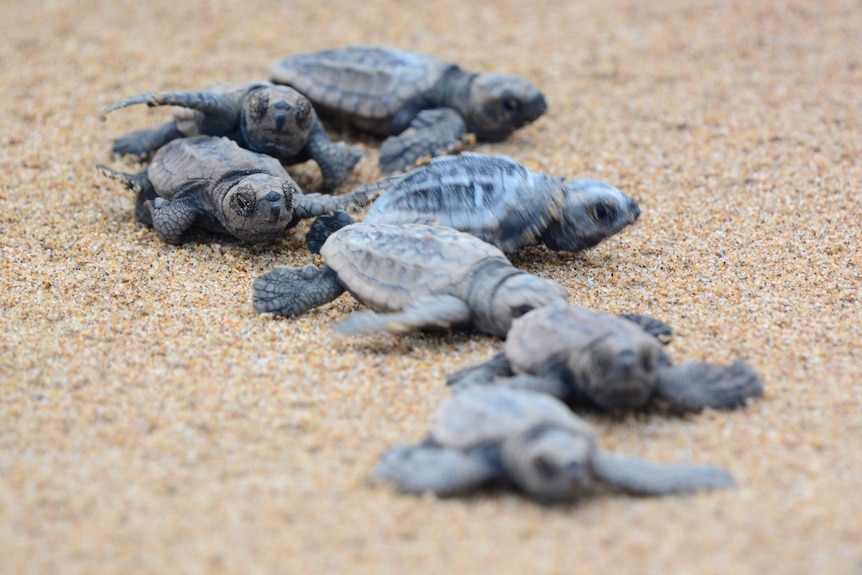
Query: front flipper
point(431, 133)
point(430, 311)
point(313, 205)
point(485, 373)
point(653, 326)
point(291, 291)
point(324, 226)
point(141, 143)
point(692, 386)
point(651, 478)
point(418, 469)
point(335, 159)
point(171, 219)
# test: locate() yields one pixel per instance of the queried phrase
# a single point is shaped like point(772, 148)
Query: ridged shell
point(201, 161)
point(388, 267)
point(480, 414)
point(367, 82)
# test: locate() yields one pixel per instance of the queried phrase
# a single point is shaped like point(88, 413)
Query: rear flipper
point(418, 469)
point(139, 183)
point(142, 143)
point(482, 374)
point(653, 326)
point(323, 227)
point(431, 133)
point(693, 386)
point(650, 478)
point(335, 160)
point(427, 312)
point(291, 291)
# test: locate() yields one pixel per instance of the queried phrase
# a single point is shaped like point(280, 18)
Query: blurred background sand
point(153, 423)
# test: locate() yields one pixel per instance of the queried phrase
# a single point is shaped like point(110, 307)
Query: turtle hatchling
point(259, 116)
point(532, 442)
point(415, 276)
point(427, 102)
point(586, 357)
point(212, 183)
point(501, 202)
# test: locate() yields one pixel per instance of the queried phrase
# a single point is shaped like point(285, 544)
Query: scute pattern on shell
point(370, 82)
point(477, 415)
point(388, 267)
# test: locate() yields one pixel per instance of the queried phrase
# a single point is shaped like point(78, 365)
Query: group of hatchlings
point(431, 253)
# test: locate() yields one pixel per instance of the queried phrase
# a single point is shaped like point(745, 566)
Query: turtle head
point(618, 371)
point(593, 211)
point(276, 120)
point(519, 294)
point(500, 104)
point(258, 207)
point(550, 463)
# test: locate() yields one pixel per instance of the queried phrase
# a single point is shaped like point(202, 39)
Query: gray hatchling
point(416, 276)
point(212, 183)
point(591, 358)
point(427, 102)
point(259, 116)
point(532, 442)
point(501, 202)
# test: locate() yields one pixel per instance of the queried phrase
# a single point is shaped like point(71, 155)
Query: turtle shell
point(547, 336)
point(387, 267)
point(201, 161)
point(479, 415)
point(359, 82)
point(493, 198)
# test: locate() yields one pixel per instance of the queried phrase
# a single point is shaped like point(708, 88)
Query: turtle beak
point(275, 208)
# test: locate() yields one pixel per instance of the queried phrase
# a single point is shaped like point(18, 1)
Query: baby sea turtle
point(430, 102)
point(586, 357)
point(420, 276)
point(530, 441)
point(501, 202)
point(259, 116)
point(214, 184)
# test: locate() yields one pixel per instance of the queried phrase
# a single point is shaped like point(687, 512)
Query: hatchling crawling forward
point(212, 183)
point(416, 276)
point(530, 441)
point(427, 102)
point(259, 116)
point(586, 357)
point(500, 201)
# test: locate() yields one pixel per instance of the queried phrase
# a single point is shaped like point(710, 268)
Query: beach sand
point(152, 422)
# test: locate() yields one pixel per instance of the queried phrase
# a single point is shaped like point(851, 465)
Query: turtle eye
point(544, 466)
point(602, 212)
point(260, 107)
point(521, 310)
point(511, 103)
point(244, 204)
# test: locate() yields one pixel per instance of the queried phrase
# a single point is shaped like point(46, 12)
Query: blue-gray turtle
point(532, 442)
point(214, 184)
point(259, 116)
point(499, 201)
point(592, 358)
point(423, 104)
point(412, 276)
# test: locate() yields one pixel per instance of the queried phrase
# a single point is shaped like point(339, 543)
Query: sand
point(152, 422)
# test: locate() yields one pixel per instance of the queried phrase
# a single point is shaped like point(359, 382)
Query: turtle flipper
point(141, 143)
point(139, 183)
point(441, 311)
point(692, 386)
point(170, 219)
point(291, 291)
point(420, 469)
point(313, 205)
point(324, 226)
point(653, 326)
point(335, 159)
point(482, 374)
point(431, 133)
point(641, 477)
